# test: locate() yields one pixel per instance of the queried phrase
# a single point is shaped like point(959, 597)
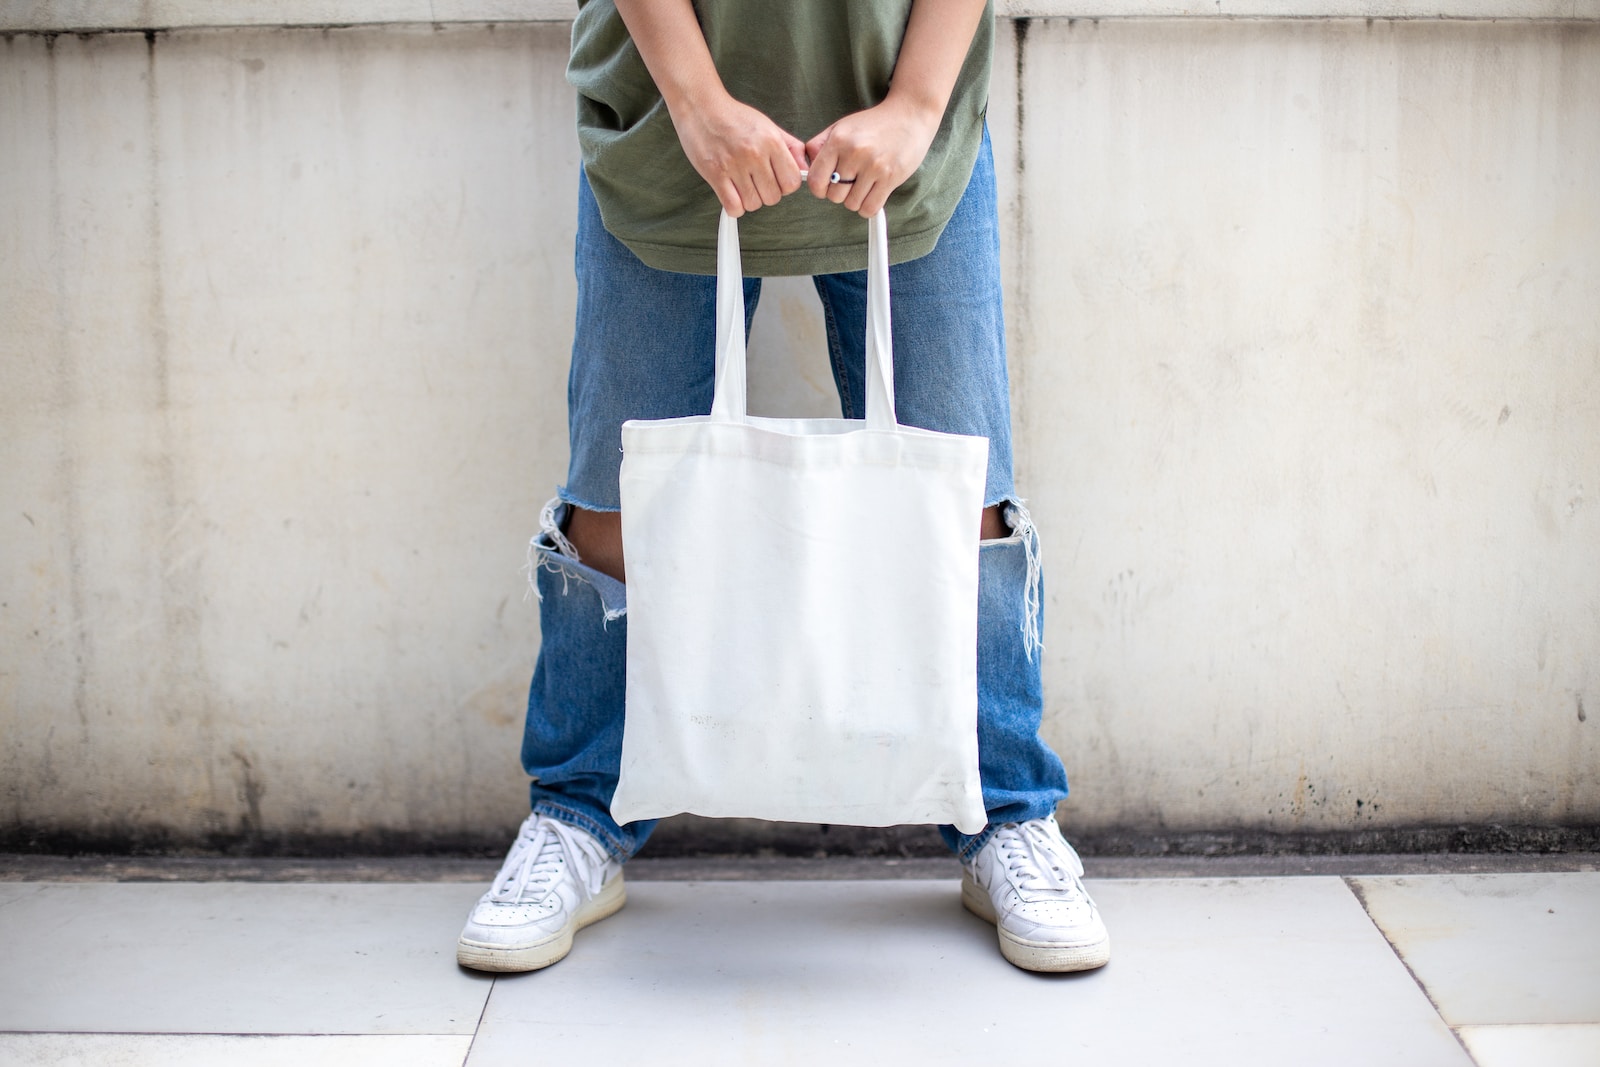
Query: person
point(687, 108)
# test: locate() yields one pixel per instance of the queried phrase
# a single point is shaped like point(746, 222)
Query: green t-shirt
point(804, 63)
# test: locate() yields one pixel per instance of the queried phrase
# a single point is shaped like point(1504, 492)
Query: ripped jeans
point(644, 349)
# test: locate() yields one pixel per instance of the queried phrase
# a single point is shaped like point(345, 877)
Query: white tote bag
point(802, 602)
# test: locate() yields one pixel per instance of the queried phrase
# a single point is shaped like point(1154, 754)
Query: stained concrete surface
point(1302, 338)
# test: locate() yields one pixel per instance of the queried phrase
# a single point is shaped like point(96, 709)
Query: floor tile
point(1547, 1045)
point(10, 893)
point(210, 1050)
point(238, 958)
point(1503, 948)
point(1242, 972)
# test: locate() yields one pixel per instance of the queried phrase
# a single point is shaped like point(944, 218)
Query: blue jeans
point(645, 349)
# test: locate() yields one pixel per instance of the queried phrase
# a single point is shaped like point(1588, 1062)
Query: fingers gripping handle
point(732, 386)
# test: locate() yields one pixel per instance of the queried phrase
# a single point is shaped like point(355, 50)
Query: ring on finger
point(834, 179)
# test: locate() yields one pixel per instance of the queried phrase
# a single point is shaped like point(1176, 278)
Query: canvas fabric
point(747, 693)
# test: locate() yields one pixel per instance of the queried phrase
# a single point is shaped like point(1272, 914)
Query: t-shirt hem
point(836, 259)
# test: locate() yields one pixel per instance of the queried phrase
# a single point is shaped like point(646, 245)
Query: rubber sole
point(482, 956)
point(1049, 956)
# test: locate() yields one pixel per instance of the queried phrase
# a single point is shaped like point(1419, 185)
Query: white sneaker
point(556, 880)
point(1025, 880)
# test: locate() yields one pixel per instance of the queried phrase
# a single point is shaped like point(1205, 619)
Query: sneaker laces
point(1038, 858)
point(542, 852)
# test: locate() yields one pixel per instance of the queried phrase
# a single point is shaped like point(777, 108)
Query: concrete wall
point(1306, 356)
point(1309, 391)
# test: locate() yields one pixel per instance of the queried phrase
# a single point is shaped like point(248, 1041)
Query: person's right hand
point(746, 158)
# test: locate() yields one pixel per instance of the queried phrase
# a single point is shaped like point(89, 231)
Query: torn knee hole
point(1022, 531)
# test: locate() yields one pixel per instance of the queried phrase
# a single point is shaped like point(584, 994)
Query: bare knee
point(993, 528)
point(597, 538)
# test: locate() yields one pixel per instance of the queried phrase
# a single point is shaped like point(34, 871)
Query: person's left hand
point(873, 152)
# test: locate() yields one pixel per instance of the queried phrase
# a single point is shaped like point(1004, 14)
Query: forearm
point(746, 159)
point(938, 36)
point(669, 40)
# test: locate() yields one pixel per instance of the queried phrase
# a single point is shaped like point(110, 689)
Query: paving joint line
point(1352, 883)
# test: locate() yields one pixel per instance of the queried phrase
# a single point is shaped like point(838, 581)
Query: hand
point(873, 151)
point(746, 158)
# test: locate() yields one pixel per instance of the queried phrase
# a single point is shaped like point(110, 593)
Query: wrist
point(921, 110)
point(690, 94)
point(674, 51)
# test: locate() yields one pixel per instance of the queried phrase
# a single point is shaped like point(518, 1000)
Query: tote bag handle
point(732, 388)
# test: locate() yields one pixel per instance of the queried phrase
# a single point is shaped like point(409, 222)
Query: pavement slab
point(1500, 949)
point(1569, 1045)
point(1235, 971)
point(746, 966)
point(237, 958)
point(232, 1050)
